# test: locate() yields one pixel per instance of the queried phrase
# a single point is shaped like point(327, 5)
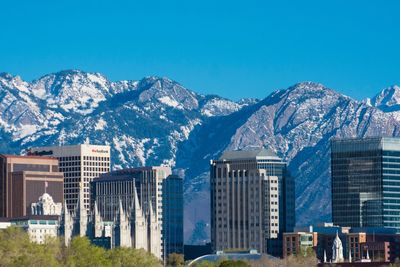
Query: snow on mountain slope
point(388, 100)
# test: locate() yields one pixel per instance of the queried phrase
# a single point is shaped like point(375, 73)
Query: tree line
point(17, 250)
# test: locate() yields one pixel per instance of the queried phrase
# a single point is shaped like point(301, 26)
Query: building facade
point(23, 179)
point(299, 243)
point(46, 206)
point(130, 228)
point(80, 165)
point(118, 190)
point(38, 227)
point(252, 201)
point(345, 244)
point(365, 182)
point(173, 215)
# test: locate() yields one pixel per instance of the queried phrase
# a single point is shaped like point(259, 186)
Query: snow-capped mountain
point(158, 121)
point(388, 100)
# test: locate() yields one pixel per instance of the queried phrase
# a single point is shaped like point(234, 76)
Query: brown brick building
point(23, 179)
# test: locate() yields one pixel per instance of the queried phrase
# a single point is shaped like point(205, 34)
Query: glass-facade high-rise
point(173, 214)
point(366, 182)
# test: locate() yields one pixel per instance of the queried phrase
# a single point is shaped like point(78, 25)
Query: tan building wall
point(245, 200)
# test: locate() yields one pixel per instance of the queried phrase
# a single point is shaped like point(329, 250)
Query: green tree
point(206, 264)
point(234, 263)
point(82, 253)
point(17, 250)
point(129, 257)
point(175, 260)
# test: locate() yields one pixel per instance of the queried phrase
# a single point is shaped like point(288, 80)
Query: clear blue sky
point(232, 48)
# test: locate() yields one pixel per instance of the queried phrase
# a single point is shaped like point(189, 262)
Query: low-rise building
point(344, 244)
point(298, 243)
point(38, 227)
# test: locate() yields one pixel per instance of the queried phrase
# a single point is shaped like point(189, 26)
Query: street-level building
point(23, 179)
point(366, 182)
point(252, 201)
point(38, 227)
point(299, 243)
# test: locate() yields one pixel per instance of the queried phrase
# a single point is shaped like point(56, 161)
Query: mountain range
point(156, 121)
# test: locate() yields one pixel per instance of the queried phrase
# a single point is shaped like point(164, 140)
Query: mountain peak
point(6, 75)
point(72, 90)
point(388, 100)
point(311, 90)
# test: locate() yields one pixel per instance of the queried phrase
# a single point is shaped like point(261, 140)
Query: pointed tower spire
point(367, 257)
point(98, 221)
point(80, 218)
point(122, 229)
point(65, 224)
point(121, 212)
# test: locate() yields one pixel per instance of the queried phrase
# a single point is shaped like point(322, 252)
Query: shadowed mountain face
point(158, 121)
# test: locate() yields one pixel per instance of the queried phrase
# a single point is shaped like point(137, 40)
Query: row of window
point(94, 158)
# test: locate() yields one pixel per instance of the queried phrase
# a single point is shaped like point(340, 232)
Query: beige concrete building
point(80, 165)
point(252, 201)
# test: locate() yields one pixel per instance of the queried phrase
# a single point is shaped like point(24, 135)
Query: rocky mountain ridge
point(158, 121)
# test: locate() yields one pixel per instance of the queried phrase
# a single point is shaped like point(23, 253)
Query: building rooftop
point(27, 156)
point(249, 154)
point(35, 217)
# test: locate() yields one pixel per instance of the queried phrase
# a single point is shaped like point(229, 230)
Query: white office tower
point(80, 164)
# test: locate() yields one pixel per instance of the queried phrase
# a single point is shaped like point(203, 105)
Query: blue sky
point(232, 48)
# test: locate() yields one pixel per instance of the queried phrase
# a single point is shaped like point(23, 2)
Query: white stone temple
point(46, 206)
point(131, 228)
point(337, 250)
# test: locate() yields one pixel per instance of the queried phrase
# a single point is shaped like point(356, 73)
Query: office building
point(23, 179)
point(252, 201)
point(80, 165)
point(173, 215)
point(366, 182)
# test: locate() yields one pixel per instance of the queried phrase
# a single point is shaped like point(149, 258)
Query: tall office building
point(366, 182)
point(173, 214)
point(23, 179)
point(252, 201)
point(80, 165)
